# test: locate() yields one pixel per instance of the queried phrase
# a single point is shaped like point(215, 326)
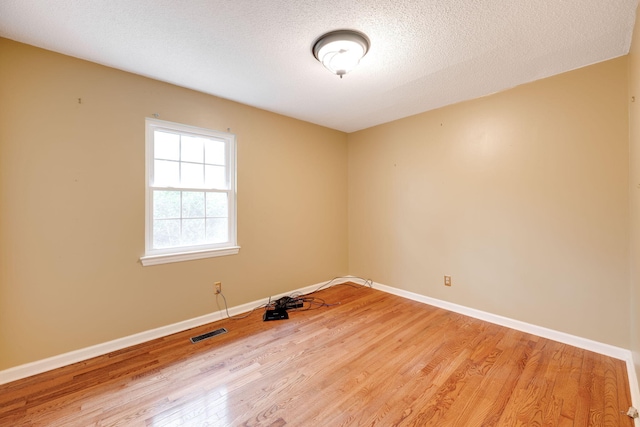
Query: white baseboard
point(44, 365)
point(40, 366)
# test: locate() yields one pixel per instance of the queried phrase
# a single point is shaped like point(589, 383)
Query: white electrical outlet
point(218, 287)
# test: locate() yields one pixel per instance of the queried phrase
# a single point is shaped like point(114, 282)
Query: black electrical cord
point(226, 309)
point(314, 303)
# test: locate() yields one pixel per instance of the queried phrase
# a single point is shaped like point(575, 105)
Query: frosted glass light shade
point(340, 51)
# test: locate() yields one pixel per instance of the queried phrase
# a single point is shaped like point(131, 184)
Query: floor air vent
point(208, 335)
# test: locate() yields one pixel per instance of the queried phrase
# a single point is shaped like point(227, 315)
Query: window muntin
point(190, 192)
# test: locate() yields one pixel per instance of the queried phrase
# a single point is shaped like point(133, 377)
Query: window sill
point(187, 256)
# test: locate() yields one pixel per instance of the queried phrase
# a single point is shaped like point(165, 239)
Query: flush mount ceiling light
point(340, 51)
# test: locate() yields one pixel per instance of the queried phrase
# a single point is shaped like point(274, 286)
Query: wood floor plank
point(568, 381)
point(499, 382)
point(612, 414)
point(367, 359)
point(624, 397)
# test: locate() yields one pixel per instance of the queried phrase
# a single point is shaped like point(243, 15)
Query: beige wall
point(634, 192)
point(72, 205)
point(522, 197)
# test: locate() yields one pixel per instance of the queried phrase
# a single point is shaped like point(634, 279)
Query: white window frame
point(185, 253)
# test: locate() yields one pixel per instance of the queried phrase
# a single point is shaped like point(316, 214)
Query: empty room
point(319, 213)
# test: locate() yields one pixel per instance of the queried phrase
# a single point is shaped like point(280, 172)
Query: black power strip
point(286, 303)
point(275, 315)
point(294, 303)
point(278, 309)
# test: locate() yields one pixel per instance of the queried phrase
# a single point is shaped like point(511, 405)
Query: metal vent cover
point(208, 335)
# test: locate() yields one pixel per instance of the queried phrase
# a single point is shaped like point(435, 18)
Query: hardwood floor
point(371, 359)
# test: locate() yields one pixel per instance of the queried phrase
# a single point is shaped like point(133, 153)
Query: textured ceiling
point(424, 54)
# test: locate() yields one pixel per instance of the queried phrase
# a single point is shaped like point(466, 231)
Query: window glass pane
point(192, 149)
point(192, 204)
point(193, 232)
point(166, 145)
point(166, 233)
point(166, 204)
point(192, 175)
point(214, 152)
point(166, 173)
point(217, 230)
point(215, 177)
point(217, 205)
